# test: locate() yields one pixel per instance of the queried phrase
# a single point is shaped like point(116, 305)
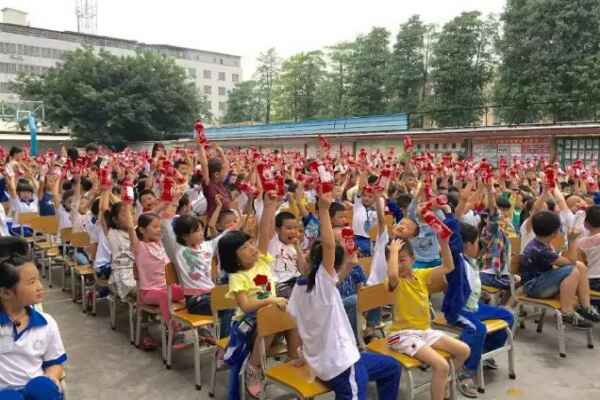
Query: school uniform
point(329, 346)
point(363, 219)
point(25, 355)
point(20, 206)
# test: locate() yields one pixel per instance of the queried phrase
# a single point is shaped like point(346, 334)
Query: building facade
point(35, 50)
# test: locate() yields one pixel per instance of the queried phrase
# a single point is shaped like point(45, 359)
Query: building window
point(436, 146)
point(222, 76)
point(222, 91)
point(221, 61)
point(418, 146)
point(207, 89)
point(222, 105)
point(235, 78)
point(453, 145)
point(207, 74)
point(192, 73)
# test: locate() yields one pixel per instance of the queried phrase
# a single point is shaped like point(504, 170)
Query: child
point(285, 248)
point(363, 219)
point(31, 350)
point(150, 260)
point(251, 285)
point(473, 313)
point(569, 281)
point(589, 246)
point(329, 345)
point(412, 316)
point(121, 278)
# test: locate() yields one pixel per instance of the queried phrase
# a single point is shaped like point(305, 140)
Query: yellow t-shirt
point(246, 281)
point(411, 304)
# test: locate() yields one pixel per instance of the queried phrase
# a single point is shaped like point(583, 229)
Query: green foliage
point(462, 68)
point(334, 87)
point(267, 73)
point(368, 73)
point(243, 103)
point(550, 53)
point(115, 100)
point(297, 88)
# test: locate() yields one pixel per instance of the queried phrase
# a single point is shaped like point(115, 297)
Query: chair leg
point(197, 359)
point(560, 326)
point(73, 291)
point(131, 323)
point(83, 294)
point(138, 328)
point(480, 378)
point(94, 299)
point(49, 266)
point(113, 312)
point(453, 390)
point(213, 373)
point(511, 355)
point(163, 341)
point(411, 385)
point(170, 337)
point(590, 340)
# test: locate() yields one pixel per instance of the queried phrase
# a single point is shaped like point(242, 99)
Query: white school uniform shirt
point(363, 218)
point(18, 206)
point(64, 218)
point(24, 356)
point(590, 246)
point(96, 233)
point(285, 263)
point(471, 218)
point(3, 219)
point(328, 342)
point(378, 262)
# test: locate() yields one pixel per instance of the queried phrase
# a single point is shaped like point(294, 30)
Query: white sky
point(246, 27)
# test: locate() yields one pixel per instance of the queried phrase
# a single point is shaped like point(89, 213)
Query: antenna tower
point(87, 16)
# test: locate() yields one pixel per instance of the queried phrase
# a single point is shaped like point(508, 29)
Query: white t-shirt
point(64, 218)
point(24, 357)
point(590, 246)
point(194, 265)
point(329, 346)
point(197, 200)
point(379, 262)
point(285, 263)
point(103, 254)
point(18, 207)
point(526, 236)
point(363, 218)
point(471, 218)
point(3, 227)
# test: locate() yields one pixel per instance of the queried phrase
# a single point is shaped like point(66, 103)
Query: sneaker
point(466, 387)
point(589, 313)
point(254, 382)
point(490, 363)
point(576, 320)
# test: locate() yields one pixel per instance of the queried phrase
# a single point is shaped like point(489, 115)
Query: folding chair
point(218, 302)
point(65, 239)
point(270, 321)
point(192, 321)
point(377, 296)
point(544, 306)
point(138, 310)
point(80, 240)
point(25, 219)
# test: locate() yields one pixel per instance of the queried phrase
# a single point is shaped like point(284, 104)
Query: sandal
point(466, 387)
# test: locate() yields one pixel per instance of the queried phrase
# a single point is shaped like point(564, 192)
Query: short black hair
point(403, 200)
point(228, 246)
point(372, 179)
point(592, 216)
point(73, 153)
point(185, 225)
point(24, 186)
point(14, 252)
point(111, 215)
point(178, 163)
point(406, 247)
point(335, 208)
point(503, 202)
point(214, 165)
point(315, 258)
point(469, 233)
point(86, 184)
point(91, 147)
point(147, 191)
point(283, 216)
point(545, 223)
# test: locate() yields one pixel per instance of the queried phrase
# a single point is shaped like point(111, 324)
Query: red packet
point(127, 190)
point(438, 226)
point(105, 178)
point(408, 143)
point(167, 189)
point(280, 182)
point(266, 177)
point(200, 135)
point(384, 178)
point(550, 177)
point(348, 239)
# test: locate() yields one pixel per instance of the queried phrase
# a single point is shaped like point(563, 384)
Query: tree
point(267, 73)
point(335, 85)
point(408, 71)
point(462, 68)
point(297, 89)
point(243, 103)
point(116, 100)
point(550, 54)
point(368, 70)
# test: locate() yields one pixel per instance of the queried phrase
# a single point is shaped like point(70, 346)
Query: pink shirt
point(150, 259)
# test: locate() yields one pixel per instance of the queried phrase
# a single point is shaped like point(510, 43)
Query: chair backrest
point(218, 301)
point(515, 255)
point(437, 285)
point(171, 274)
point(80, 239)
point(26, 218)
point(65, 234)
point(375, 296)
point(48, 225)
point(271, 320)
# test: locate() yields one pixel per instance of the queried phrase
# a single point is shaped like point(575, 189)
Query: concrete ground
point(103, 365)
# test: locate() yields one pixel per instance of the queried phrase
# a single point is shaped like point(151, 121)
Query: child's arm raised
point(266, 228)
point(380, 213)
point(204, 164)
point(212, 222)
point(447, 261)
point(133, 239)
point(327, 235)
point(394, 263)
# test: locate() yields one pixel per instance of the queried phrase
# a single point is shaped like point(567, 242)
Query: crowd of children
point(304, 235)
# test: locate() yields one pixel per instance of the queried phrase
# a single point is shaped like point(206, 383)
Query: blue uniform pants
point(474, 332)
point(40, 388)
point(352, 383)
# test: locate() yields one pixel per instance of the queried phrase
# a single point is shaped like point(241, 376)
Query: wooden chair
point(544, 306)
point(377, 296)
point(270, 321)
point(81, 240)
point(45, 242)
point(25, 219)
point(192, 321)
point(219, 302)
point(65, 239)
